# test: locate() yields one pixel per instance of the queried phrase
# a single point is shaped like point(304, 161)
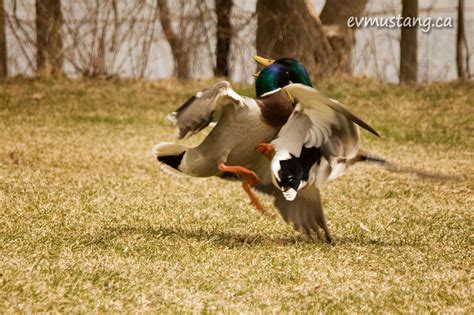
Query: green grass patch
point(101, 119)
point(89, 222)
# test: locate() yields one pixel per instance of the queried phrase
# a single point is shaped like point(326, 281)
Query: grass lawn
point(89, 222)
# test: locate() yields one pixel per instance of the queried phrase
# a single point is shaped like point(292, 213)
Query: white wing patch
point(280, 155)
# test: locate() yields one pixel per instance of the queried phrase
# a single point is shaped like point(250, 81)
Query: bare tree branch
point(224, 37)
point(178, 49)
point(3, 44)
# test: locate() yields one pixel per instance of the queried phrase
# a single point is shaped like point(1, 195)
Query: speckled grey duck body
point(234, 139)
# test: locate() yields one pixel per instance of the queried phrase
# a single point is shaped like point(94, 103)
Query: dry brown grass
point(90, 223)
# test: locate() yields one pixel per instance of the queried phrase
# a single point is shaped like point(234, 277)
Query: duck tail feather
point(169, 153)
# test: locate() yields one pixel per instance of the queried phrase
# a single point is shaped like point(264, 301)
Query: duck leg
point(249, 179)
point(266, 149)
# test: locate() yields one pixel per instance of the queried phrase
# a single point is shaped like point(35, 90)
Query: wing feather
point(327, 125)
point(325, 114)
point(293, 134)
point(305, 212)
point(203, 107)
point(319, 122)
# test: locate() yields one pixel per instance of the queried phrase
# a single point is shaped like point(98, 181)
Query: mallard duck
point(308, 136)
point(242, 124)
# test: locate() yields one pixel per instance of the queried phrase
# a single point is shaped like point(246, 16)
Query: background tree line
point(98, 38)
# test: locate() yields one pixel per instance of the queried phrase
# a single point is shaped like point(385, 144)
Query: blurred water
point(376, 53)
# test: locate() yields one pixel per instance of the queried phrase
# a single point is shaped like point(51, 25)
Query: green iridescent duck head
point(280, 73)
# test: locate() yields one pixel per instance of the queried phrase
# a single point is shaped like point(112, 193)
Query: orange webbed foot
point(254, 201)
point(246, 174)
point(249, 179)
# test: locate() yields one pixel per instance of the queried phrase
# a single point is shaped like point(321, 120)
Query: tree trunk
point(3, 44)
point(292, 29)
point(224, 37)
point(334, 17)
point(409, 44)
point(49, 43)
point(179, 49)
point(461, 45)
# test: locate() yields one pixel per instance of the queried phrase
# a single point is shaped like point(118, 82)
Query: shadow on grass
point(222, 238)
point(216, 237)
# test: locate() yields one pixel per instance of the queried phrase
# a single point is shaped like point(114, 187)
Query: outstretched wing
point(202, 108)
point(305, 213)
point(315, 119)
point(320, 124)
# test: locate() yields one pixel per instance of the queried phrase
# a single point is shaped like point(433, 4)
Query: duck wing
point(323, 126)
point(321, 117)
point(319, 133)
point(305, 213)
point(203, 107)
